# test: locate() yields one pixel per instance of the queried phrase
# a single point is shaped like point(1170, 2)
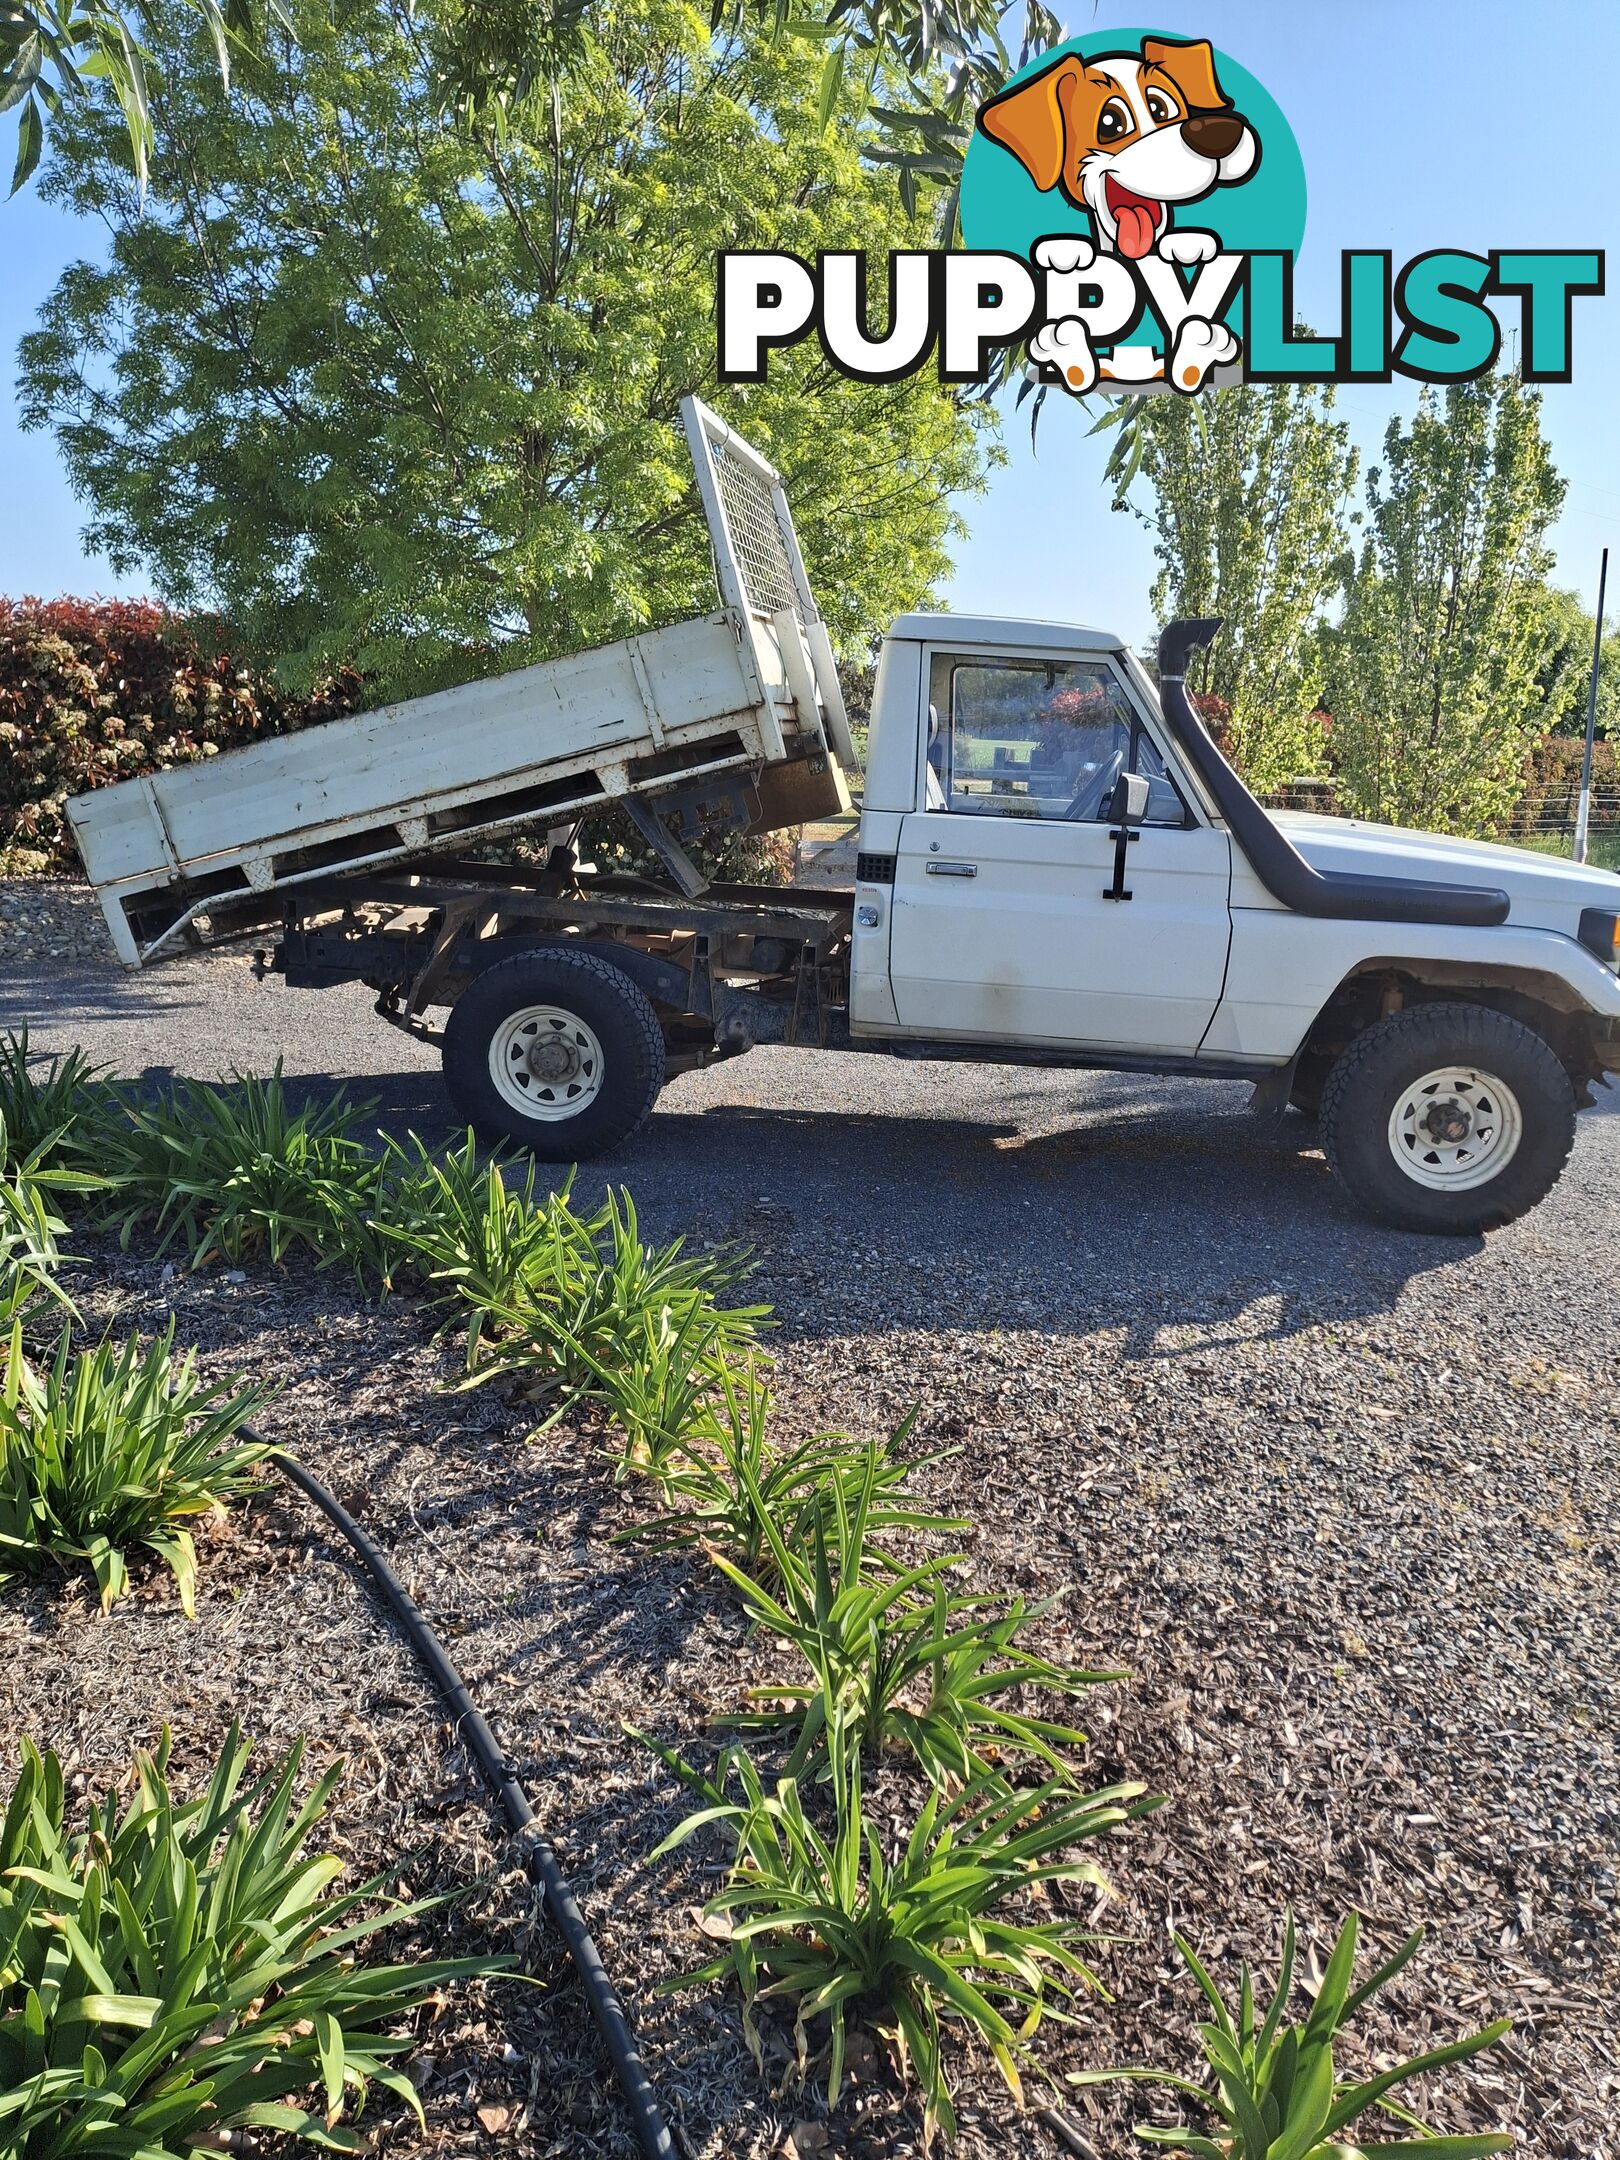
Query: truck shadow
point(82, 998)
point(1183, 1226)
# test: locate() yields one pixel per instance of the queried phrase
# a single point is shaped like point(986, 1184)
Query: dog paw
point(1065, 253)
point(1188, 247)
point(1064, 345)
point(1200, 346)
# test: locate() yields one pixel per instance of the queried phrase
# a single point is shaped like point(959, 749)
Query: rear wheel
point(554, 1049)
point(1449, 1118)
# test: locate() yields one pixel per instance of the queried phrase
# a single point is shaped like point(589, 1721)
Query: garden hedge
point(97, 690)
point(1552, 782)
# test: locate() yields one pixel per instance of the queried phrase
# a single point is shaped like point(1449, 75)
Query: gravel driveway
point(1343, 1499)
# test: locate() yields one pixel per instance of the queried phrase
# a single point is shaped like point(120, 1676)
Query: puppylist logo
point(1132, 205)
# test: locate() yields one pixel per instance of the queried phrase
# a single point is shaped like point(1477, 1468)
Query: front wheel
point(1448, 1117)
point(556, 1050)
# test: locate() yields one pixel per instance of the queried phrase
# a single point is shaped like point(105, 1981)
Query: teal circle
point(1002, 208)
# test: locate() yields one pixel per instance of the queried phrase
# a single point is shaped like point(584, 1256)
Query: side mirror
point(1130, 800)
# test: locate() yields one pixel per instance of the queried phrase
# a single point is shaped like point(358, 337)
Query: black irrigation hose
point(539, 1856)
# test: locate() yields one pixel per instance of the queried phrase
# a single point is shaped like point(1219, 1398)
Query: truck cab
point(1056, 865)
point(986, 906)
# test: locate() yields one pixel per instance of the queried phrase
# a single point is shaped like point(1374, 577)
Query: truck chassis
point(723, 970)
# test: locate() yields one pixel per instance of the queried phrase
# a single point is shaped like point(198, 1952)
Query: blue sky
point(1423, 123)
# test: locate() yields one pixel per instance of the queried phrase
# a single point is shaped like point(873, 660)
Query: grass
point(113, 1450)
point(180, 1971)
point(1603, 852)
point(1277, 2091)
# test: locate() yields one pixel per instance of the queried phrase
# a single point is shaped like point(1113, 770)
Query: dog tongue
point(1137, 225)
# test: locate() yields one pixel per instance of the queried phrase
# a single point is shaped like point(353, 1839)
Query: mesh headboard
point(756, 536)
point(756, 554)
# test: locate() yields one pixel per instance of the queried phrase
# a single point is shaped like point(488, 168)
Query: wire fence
point(755, 533)
point(1541, 814)
point(1553, 810)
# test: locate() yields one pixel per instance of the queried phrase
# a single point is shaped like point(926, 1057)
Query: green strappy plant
point(177, 1970)
point(53, 1110)
point(1278, 2093)
point(916, 1936)
point(736, 1494)
point(238, 1169)
point(31, 1255)
point(893, 1654)
point(112, 1449)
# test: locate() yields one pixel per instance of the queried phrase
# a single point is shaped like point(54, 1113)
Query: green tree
point(1250, 494)
point(51, 50)
point(1434, 671)
point(1564, 675)
point(493, 56)
point(400, 393)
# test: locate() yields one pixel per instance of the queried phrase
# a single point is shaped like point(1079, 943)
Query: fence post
point(1583, 809)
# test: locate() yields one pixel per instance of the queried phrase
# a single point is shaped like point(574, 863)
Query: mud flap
point(1273, 1094)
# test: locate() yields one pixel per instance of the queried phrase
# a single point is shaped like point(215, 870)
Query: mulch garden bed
point(1371, 1667)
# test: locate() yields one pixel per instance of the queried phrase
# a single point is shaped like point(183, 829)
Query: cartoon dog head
point(1127, 135)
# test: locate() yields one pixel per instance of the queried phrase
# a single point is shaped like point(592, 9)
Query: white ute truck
point(1056, 867)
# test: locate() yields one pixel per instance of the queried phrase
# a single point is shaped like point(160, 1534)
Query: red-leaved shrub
point(1216, 715)
point(93, 691)
point(1552, 782)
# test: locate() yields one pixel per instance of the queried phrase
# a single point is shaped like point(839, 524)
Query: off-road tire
point(614, 1009)
point(1367, 1082)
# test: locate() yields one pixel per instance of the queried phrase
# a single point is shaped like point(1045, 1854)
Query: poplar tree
point(1435, 673)
point(1564, 674)
point(1250, 505)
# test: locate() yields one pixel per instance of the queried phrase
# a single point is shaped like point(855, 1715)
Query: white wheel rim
point(546, 1063)
point(1455, 1128)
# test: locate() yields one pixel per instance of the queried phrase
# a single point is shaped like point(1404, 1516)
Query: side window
point(1032, 739)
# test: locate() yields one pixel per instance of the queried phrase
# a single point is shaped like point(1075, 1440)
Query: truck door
point(1000, 928)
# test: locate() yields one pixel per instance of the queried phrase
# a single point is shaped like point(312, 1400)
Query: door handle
point(1123, 837)
point(951, 869)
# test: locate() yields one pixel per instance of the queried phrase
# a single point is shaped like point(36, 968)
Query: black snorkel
point(1276, 862)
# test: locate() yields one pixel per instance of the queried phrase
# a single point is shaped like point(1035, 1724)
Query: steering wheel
point(1097, 790)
